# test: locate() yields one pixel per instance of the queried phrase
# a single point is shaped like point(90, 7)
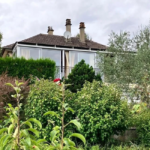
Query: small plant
point(16, 134)
point(58, 141)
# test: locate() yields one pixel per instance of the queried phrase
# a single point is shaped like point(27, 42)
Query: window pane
point(28, 52)
point(25, 52)
point(73, 58)
point(34, 53)
point(88, 57)
point(53, 55)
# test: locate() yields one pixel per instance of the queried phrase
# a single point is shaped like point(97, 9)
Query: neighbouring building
point(65, 50)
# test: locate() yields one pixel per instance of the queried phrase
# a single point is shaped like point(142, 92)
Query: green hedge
point(20, 67)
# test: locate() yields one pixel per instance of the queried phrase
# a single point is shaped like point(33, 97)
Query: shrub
point(79, 74)
point(101, 111)
point(141, 120)
point(6, 91)
point(20, 67)
point(45, 96)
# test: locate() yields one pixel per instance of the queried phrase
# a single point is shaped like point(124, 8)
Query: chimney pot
point(81, 25)
point(68, 25)
point(50, 30)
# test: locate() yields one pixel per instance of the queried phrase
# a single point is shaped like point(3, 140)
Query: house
point(65, 50)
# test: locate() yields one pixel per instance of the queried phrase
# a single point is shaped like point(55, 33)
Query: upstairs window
point(53, 55)
point(28, 52)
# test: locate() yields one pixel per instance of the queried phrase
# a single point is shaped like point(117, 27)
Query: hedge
point(20, 67)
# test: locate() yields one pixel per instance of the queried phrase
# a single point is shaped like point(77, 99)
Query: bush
point(45, 96)
point(141, 120)
point(101, 111)
point(80, 73)
point(20, 67)
point(6, 92)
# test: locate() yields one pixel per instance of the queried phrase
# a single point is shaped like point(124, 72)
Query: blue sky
point(21, 19)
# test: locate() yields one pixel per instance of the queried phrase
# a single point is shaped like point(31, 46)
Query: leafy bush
point(79, 74)
point(141, 120)
point(20, 67)
point(101, 111)
point(6, 92)
point(44, 96)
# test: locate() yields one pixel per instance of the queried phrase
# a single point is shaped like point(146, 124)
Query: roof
point(58, 41)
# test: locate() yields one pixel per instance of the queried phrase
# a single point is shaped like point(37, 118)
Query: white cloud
point(21, 19)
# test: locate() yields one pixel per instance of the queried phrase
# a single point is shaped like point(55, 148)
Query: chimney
point(50, 30)
point(68, 25)
point(82, 32)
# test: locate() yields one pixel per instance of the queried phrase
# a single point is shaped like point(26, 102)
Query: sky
point(21, 19)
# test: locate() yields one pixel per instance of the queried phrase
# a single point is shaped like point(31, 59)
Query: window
point(53, 55)
point(28, 52)
point(88, 57)
point(75, 57)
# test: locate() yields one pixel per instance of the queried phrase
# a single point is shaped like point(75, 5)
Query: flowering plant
point(57, 81)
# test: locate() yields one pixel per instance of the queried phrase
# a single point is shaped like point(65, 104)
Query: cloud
point(25, 18)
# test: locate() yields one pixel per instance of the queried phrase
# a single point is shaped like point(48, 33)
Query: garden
point(82, 112)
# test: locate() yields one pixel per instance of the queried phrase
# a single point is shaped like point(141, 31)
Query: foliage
point(87, 37)
point(128, 62)
point(6, 92)
point(17, 135)
point(101, 111)
point(58, 141)
point(141, 120)
point(44, 95)
point(20, 67)
point(79, 74)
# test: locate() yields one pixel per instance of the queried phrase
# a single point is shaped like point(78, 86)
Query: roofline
point(58, 48)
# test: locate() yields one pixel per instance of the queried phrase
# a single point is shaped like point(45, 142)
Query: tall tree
point(127, 63)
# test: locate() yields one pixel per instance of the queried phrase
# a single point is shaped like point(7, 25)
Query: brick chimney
point(68, 25)
point(82, 32)
point(50, 30)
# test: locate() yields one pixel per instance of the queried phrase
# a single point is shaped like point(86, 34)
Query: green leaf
point(34, 131)
point(9, 146)
point(17, 89)
point(75, 122)
point(80, 136)
point(10, 129)
point(3, 130)
point(41, 140)
point(51, 113)
point(16, 82)
point(36, 122)
point(70, 109)
point(9, 84)
point(21, 83)
point(53, 135)
point(65, 105)
point(24, 133)
point(27, 123)
point(28, 141)
point(14, 96)
point(68, 142)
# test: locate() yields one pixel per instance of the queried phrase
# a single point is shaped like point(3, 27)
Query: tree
point(79, 74)
point(128, 63)
point(87, 37)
